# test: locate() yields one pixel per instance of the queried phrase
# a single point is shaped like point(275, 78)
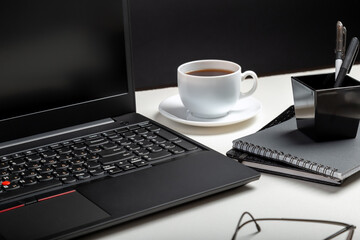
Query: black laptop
point(74, 155)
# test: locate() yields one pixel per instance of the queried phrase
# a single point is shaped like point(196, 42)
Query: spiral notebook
point(283, 147)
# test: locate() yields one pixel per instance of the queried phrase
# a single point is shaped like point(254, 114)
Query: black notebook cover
point(285, 150)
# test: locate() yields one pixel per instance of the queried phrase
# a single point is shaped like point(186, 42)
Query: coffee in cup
point(211, 88)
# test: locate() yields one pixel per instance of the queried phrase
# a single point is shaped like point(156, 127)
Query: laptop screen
point(61, 54)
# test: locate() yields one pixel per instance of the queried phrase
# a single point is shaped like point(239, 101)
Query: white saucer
point(173, 109)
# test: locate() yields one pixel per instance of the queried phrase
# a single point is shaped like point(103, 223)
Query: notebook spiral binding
point(280, 156)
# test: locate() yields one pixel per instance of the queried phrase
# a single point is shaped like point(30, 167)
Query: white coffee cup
point(212, 96)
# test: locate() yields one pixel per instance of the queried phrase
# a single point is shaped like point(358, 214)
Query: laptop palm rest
point(160, 187)
point(49, 216)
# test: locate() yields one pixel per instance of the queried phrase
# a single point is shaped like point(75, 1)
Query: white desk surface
point(215, 217)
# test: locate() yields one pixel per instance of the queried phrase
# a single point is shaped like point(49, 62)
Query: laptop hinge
point(56, 133)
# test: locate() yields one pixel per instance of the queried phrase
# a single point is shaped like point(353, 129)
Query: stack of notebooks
point(282, 149)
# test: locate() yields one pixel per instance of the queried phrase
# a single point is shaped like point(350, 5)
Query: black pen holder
point(324, 112)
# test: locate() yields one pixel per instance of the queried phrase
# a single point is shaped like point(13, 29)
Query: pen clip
point(344, 42)
point(340, 41)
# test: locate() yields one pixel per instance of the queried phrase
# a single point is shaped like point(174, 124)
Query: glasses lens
point(284, 230)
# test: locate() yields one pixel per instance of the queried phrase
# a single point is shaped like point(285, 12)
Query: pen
point(340, 46)
point(349, 60)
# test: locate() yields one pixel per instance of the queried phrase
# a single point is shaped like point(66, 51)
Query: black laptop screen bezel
point(68, 116)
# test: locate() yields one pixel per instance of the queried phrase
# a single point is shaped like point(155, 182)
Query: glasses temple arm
point(350, 235)
point(239, 225)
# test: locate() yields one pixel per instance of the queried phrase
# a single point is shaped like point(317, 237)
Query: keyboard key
point(61, 173)
point(44, 177)
point(124, 142)
point(97, 172)
point(18, 155)
point(95, 149)
point(48, 161)
point(133, 127)
point(91, 157)
point(128, 167)
point(12, 178)
point(167, 145)
point(115, 170)
point(64, 157)
point(28, 174)
point(77, 161)
point(28, 181)
point(33, 165)
point(94, 136)
point(69, 179)
point(80, 153)
point(186, 145)
point(132, 147)
point(42, 149)
point(30, 152)
point(66, 143)
point(135, 159)
point(18, 161)
point(108, 134)
point(49, 153)
point(116, 137)
point(92, 165)
point(83, 176)
point(110, 146)
point(155, 148)
point(177, 150)
point(77, 169)
point(141, 163)
point(149, 135)
point(61, 165)
point(17, 169)
point(111, 152)
point(116, 158)
point(108, 167)
point(137, 139)
point(167, 135)
point(33, 158)
point(79, 146)
point(5, 158)
point(96, 142)
point(145, 143)
point(156, 155)
point(4, 165)
point(141, 152)
point(129, 134)
point(4, 173)
point(64, 150)
point(56, 145)
point(122, 130)
point(78, 140)
point(153, 128)
point(122, 163)
point(11, 186)
point(44, 169)
point(141, 131)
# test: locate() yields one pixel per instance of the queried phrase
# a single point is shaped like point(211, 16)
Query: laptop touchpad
point(50, 215)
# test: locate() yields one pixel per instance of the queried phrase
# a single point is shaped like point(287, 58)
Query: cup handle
point(254, 77)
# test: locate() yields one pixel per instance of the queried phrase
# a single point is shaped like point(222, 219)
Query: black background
point(268, 37)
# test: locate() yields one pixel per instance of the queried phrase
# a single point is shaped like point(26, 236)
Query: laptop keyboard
point(110, 153)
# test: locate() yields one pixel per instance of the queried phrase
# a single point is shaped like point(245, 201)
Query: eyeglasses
point(347, 228)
